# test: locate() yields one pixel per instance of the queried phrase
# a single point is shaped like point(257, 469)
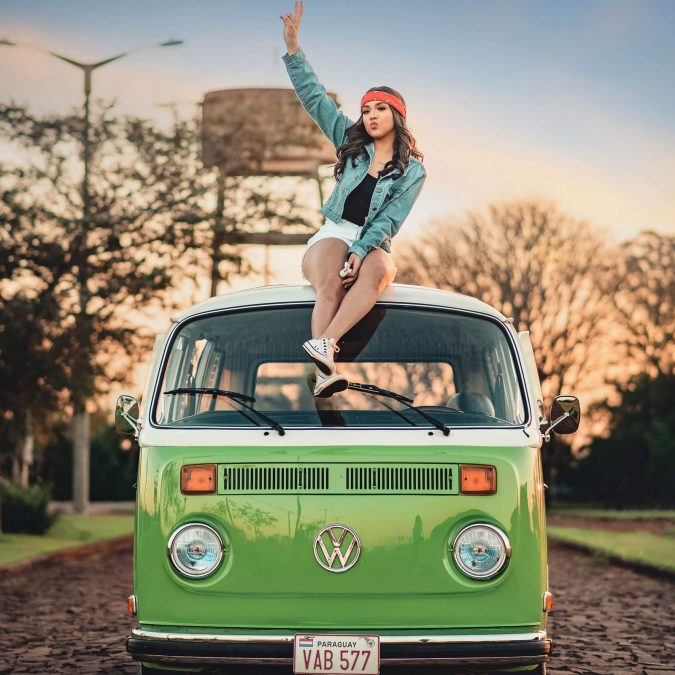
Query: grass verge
point(644, 548)
point(614, 514)
point(67, 532)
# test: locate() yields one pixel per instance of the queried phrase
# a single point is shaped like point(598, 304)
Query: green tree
point(32, 377)
point(144, 198)
point(150, 207)
point(635, 464)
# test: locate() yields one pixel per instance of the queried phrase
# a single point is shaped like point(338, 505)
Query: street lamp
point(80, 417)
point(88, 69)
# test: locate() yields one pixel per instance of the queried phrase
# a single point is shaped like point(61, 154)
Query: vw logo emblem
point(337, 543)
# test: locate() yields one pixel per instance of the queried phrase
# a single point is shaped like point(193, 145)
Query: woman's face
point(378, 118)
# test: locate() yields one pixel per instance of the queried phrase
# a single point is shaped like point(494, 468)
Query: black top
point(358, 201)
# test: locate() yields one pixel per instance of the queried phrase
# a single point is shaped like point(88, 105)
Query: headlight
point(195, 550)
point(481, 551)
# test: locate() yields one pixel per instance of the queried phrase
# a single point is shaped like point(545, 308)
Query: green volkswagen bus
point(395, 526)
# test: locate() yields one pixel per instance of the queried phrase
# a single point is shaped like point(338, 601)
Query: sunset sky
point(571, 102)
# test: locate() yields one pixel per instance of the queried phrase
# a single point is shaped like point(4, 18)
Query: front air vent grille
point(337, 478)
point(274, 479)
point(437, 479)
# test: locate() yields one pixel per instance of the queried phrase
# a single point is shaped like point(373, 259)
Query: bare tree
point(536, 265)
point(642, 286)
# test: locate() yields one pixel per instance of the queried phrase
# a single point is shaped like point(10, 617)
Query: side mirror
point(565, 416)
point(126, 415)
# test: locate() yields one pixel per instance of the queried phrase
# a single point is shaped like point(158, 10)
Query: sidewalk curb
point(113, 545)
point(634, 565)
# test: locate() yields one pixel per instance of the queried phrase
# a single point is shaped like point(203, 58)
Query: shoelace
point(321, 378)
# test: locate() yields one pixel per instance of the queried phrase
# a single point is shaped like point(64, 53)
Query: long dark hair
point(358, 138)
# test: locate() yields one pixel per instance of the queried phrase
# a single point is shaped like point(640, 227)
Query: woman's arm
point(312, 94)
point(389, 219)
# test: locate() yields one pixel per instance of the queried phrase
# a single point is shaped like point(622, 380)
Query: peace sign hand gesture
point(291, 27)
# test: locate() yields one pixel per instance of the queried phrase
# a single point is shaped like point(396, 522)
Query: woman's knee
point(380, 270)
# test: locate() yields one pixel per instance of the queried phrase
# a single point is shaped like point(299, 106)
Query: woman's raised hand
point(291, 27)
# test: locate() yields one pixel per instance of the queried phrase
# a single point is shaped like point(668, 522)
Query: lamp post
point(81, 430)
point(88, 69)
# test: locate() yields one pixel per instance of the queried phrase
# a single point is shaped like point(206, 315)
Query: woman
point(379, 175)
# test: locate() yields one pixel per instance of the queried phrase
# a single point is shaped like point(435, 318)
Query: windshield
point(458, 368)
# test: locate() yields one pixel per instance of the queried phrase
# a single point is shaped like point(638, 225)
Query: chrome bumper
point(255, 649)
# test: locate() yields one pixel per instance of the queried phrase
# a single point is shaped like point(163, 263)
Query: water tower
point(259, 132)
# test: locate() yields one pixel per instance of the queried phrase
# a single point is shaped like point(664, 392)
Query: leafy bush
point(112, 469)
point(635, 464)
point(24, 509)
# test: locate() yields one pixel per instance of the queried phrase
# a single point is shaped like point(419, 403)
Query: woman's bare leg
point(321, 267)
point(376, 273)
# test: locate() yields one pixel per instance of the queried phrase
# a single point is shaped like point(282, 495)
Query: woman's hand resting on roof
point(291, 27)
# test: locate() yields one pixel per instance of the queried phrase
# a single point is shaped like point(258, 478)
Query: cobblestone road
point(71, 618)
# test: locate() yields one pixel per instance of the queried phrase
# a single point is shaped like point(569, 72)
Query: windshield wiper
point(241, 399)
point(378, 391)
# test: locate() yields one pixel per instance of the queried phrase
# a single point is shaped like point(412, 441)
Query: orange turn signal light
point(198, 479)
point(477, 479)
point(131, 605)
point(548, 601)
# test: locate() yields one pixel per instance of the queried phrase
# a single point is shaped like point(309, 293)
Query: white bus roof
point(396, 293)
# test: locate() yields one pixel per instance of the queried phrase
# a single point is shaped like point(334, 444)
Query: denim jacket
point(392, 199)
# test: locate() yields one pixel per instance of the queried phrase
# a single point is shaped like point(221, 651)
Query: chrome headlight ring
point(195, 550)
point(481, 551)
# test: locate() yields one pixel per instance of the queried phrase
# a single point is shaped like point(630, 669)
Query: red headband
point(394, 101)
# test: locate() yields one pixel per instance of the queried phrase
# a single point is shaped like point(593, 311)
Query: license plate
point(332, 654)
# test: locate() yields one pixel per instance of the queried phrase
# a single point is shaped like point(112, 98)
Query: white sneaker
point(322, 351)
point(327, 385)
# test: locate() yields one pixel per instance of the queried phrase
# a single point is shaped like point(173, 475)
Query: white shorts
point(343, 230)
